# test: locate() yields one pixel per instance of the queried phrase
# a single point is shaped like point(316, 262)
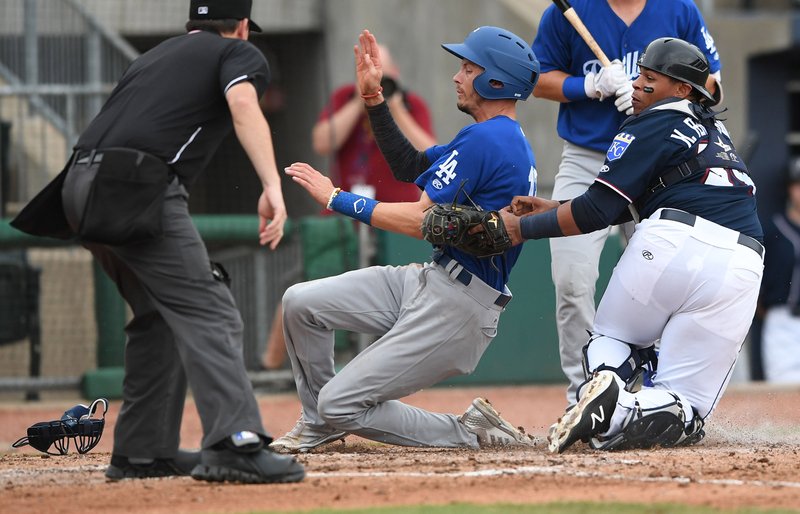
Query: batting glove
point(624, 101)
point(605, 82)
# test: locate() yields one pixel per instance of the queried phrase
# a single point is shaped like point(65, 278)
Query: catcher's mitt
point(450, 225)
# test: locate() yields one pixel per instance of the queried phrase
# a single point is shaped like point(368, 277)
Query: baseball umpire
point(433, 320)
point(124, 193)
point(689, 276)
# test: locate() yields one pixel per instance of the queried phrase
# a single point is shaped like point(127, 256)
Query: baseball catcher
point(469, 228)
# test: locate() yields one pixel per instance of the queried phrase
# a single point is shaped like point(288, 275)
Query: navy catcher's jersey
point(665, 135)
point(184, 123)
point(590, 123)
point(494, 162)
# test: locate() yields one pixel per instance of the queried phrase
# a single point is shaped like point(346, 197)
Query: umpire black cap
point(680, 60)
point(222, 10)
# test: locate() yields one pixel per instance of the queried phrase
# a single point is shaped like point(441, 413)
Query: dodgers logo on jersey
point(621, 143)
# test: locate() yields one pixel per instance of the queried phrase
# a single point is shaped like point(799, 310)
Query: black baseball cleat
point(591, 416)
point(244, 458)
point(130, 467)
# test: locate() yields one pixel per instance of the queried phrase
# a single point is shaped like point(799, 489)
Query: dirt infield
point(749, 458)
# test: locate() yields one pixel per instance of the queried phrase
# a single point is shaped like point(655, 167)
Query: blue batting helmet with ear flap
point(504, 57)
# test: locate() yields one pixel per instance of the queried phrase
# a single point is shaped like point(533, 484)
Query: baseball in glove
point(453, 224)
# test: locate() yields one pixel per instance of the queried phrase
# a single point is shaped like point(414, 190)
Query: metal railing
point(58, 64)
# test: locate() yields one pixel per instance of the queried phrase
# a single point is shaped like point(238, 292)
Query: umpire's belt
point(457, 272)
point(691, 219)
point(89, 157)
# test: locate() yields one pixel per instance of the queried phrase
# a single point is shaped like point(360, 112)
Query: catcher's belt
point(458, 272)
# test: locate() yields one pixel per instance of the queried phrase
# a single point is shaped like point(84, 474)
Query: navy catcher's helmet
point(680, 60)
point(76, 424)
point(504, 57)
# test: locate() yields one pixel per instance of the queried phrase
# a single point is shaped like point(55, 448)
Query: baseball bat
point(575, 20)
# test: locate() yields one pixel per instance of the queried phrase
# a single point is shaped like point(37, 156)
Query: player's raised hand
point(369, 70)
point(525, 205)
point(318, 185)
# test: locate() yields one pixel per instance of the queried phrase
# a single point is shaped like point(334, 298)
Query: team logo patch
point(621, 143)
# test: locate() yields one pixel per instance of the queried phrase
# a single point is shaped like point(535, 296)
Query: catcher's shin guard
point(663, 426)
point(635, 371)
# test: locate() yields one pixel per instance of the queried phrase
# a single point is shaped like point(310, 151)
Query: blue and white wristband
point(350, 204)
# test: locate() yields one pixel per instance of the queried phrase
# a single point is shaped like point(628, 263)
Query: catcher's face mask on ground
point(76, 423)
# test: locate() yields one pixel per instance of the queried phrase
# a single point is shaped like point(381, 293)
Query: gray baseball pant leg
point(433, 327)
point(575, 266)
point(174, 275)
point(137, 432)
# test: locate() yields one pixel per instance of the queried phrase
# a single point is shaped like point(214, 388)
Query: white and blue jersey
point(494, 162)
point(589, 123)
point(668, 134)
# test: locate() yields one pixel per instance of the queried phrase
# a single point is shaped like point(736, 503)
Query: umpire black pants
point(185, 329)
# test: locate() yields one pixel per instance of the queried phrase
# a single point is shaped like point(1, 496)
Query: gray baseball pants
point(430, 327)
point(575, 265)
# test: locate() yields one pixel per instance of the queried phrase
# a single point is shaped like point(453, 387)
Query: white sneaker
point(303, 438)
point(482, 420)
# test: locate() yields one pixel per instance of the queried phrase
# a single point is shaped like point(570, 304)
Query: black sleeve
point(598, 208)
point(405, 161)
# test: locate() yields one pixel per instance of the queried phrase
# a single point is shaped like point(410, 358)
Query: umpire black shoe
point(130, 467)
point(244, 458)
point(591, 416)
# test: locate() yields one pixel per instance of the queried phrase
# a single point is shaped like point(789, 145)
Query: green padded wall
point(526, 347)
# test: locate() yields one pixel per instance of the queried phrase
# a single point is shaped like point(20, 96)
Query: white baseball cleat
point(303, 438)
point(482, 420)
point(591, 416)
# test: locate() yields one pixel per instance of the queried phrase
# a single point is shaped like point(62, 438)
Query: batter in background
point(594, 102)
point(689, 276)
point(779, 303)
point(433, 320)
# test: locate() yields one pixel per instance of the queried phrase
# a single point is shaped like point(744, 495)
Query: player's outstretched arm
point(400, 217)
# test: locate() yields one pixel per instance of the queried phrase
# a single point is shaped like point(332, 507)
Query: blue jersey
point(494, 162)
point(590, 123)
point(665, 135)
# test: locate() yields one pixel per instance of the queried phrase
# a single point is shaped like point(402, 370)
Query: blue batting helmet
point(504, 57)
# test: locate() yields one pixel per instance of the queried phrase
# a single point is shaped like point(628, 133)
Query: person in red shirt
point(343, 130)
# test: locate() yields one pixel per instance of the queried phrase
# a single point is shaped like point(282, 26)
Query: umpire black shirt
point(171, 101)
